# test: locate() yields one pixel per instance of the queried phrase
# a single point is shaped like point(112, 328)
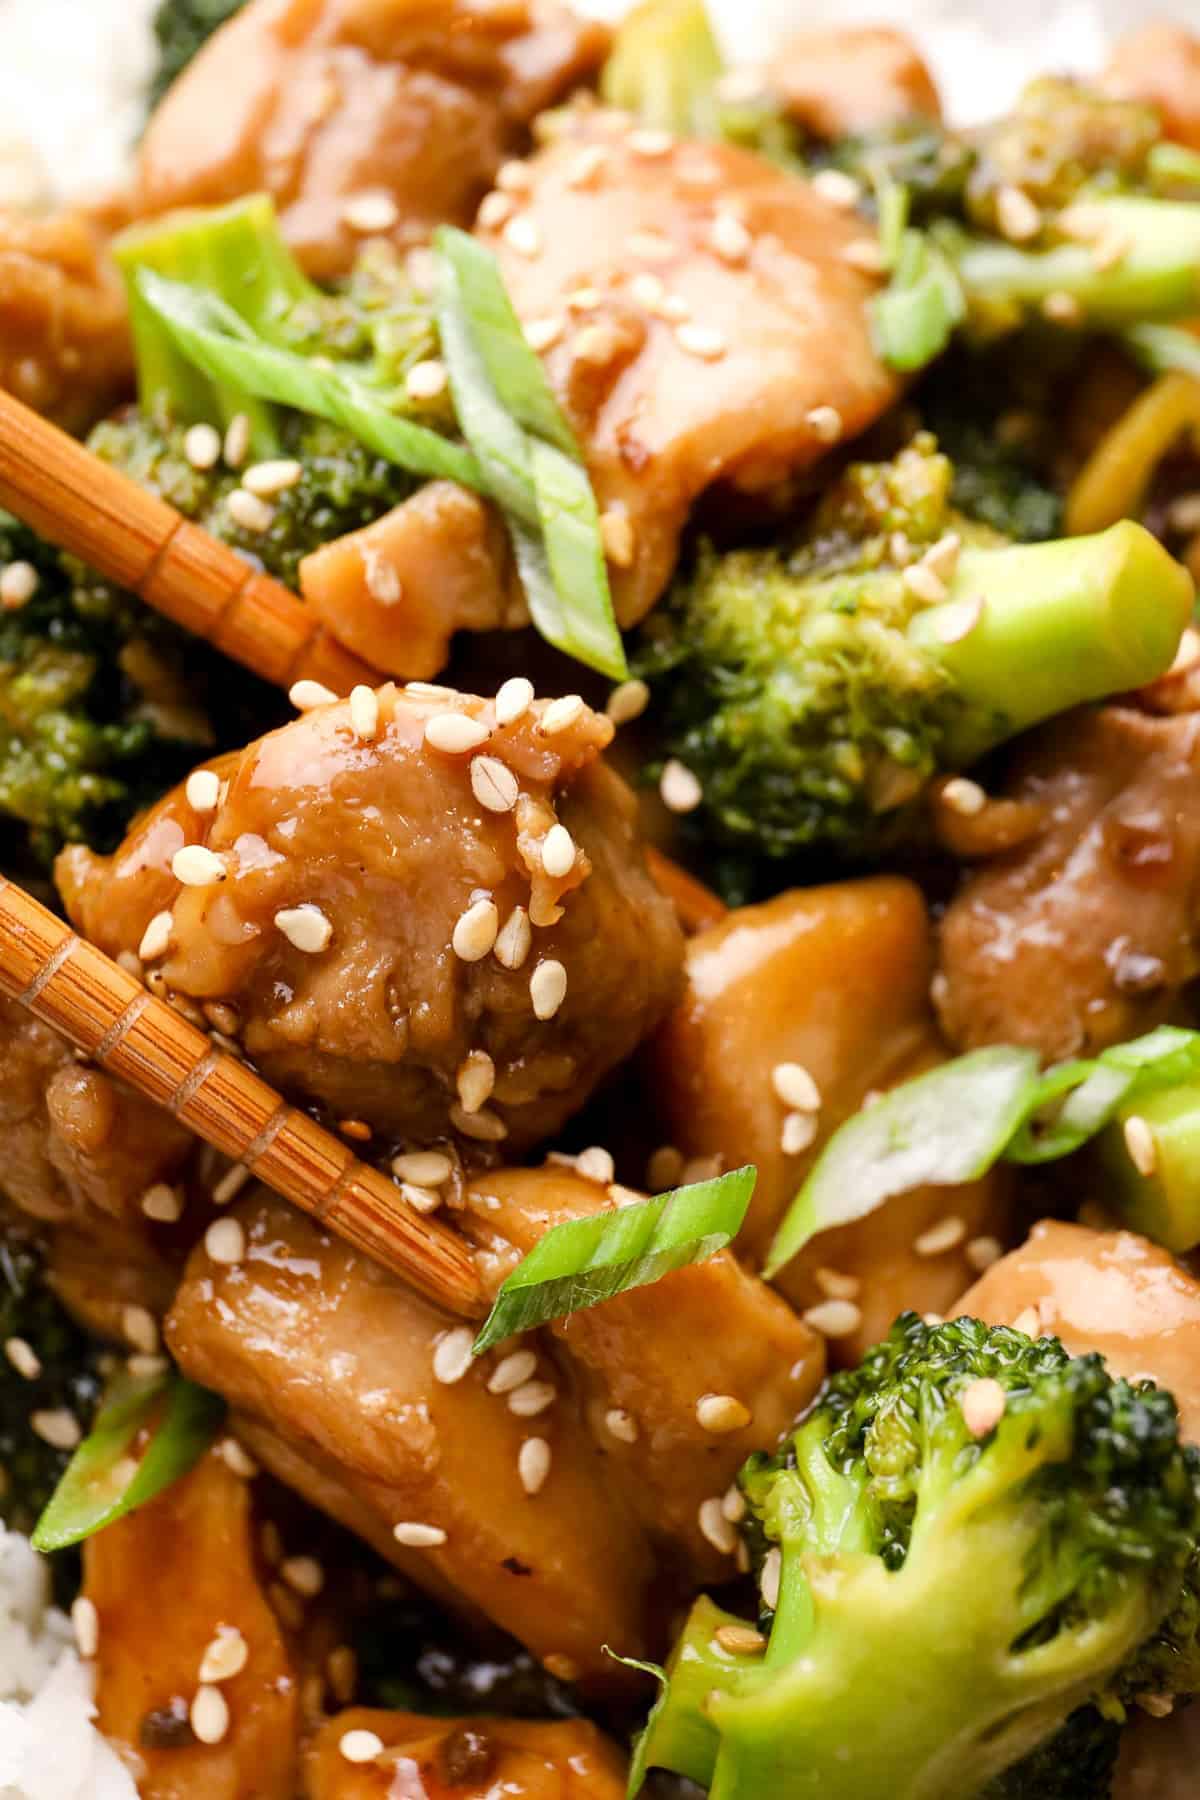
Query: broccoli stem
point(1060, 624)
point(1156, 277)
point(1162, 1199)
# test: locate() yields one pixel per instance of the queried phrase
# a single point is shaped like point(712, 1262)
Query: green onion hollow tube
point(1158, 1194)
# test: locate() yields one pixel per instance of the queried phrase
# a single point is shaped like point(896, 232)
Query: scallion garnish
point(913, 319)
point(586, 1261)
point(103, 1482)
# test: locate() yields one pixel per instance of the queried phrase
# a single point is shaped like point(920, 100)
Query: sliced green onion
point(102, 1482)
point(584, 1262)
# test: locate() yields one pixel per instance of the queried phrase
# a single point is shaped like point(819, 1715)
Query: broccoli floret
point(1077, 1763)
point(183, 27)
point(965, 1541)
point(814, 690)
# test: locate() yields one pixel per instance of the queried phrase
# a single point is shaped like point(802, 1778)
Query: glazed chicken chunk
point(464, 1759)
point(64, 335)
point(437, 921)
point(839, 82)
point(704, 320)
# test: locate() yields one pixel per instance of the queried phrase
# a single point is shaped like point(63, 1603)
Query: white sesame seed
point(548, 988)
point(237, 441)
point(514, 177)
point(305, 927)
point(425, 1168)
point(452, 1356)
point(364, 712)
point(982, 1252)
point(494, 209)
point(768, 1581)
point(23, 1357)
point(679, 787)
point(230, 1185)
point(1156, 1706)
point(1062, 308)
point(475, 1078)
point(140, 1328)
point(586, 165)
point(621, 1425)
point(383, 578)
point(650, 246)
point(305, 695)
point(730, 238)
point(733, 1504)
point(964, 796)
point(225, 1241)
point(304, 1575)
point(162, 1202)
point(797, 1132)
point(825, 423)
point(513, 699)
point(156, 937)
point(1141, 1145)
point(426, 380)
point(698, 171)
point(141, 1364)
point(428, 690)
point(584, 299)
point(131, 964)
point(1018, 217)
point(837, 188)
point(266, 479)
point(203, 790)
point(422, 1199)
point(617, 537)
point(674, 308)
point(475, 931)
point(533, 1464)
point(651, 143)
point(202, 446)
point(416, 1536)
point(959, 619)
point(834, 1318)
point(1028, 1321)
point(721, 1413)
point(715, 1528)
point(485, 1125)
point(196, 866)
point(532, 1398)
point(704, 341)
point(225, 1656)
point(57, 1427)
point(453, 733)
point(627, 702)
point(371, 212)
point(595, 1164)
point(947, 1234)
point(560, 715)
point(238, 1459)
point(836, 1285)
point(664, 1168)
point(865, 254)
point(796, 1087)
point(739, 1640)
point(514, 939)
point(360, 1746)
point(248, 511)
point(647, 290)
point(558, 852)
point(1111, 249)
point(983, 1403)
point(85, 1622)
point(523, 235)
point(493, 784)
point(943, 556)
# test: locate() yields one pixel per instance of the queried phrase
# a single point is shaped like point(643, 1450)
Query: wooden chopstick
point(107, 1013)
point(98, 513)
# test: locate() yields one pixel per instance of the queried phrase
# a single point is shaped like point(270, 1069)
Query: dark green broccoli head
point(1077, 1763)
point(183, 27)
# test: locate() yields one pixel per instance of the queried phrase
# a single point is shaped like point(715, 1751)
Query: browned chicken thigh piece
point(464, 1759)
point(1160, 63)
point(361, 117)
point(795, 1011)
point(424, 938)
point(850, 79)
point(704, 319)
point(1083, 934)
point(64, 335)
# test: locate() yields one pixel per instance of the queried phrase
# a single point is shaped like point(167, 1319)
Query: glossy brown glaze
point(464, 1759)
point(64, 335)
point(851, 79)
point(1109, 1291)
point(1082, 935)
point(320, 101)
point(837, 979)
point(661, 425)
point(388, 840)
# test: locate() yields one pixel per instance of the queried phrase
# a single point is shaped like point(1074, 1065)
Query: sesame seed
point(304, 1575)
point(963, 796)
point(230, 1185)
point(548, 988)
point(421, 1199)
point(730, 238)
point(543, 334)
point(416, 1536)
point(704, 341)
point(156, 937)
point(584, 299)
point(225, 1656)
point(1111, 249)
point(202, 446)
point(364, 712)
point(248, 511)
point(225, 1241)
point(1062, 308)
point(85, 1622)
point(664, 1168)
point(533, 1464)
point(983, 1403)
point(596, 344)
point(825, 423)
point(721, 1413)
point(513, 700)
point(942, 557)
point(947, 1234)
point(617, 536)
point(523, 235)
point(140, 1364)
point(558, 852)
point(715, 1528)
point(650, 246)
point(1156, 1706)
point(833, 1318)
point(739, 1640)
point(265, 479)
point(621, 1425)
point(428, 690)
point(426, 380)
point(196, 866)
point(982, 1252)
point(494, 209)
point(768, 1581)
point(797, 1132)
point(203, 790)
point(304, 695)
point(586, 165)
point(595, 1164)
point(1141, 1145)
point(733, 1504)
point(514, 939)
point(360, 1746)
point(475, 931)
point(162, 1202)
point(452, 1356)
point(514, 177)
point(866, 255)
point(1028, 1321)
point(651, 143)
point(696, 171)
point(237, 441)
point(454, 733)
point(132, 966)
point(475, 1078)
point(924, 583)
point(23, 1357)
point(383, 578)
point(837, 188)
point(795, 1086)
point(426, 1168)
point(57, 1427)
point(238, 1459)
point(493, 784)
point(701, 1168)
point(485, 1126)
point(370, 212)
point(561, 714)
point(680, 789)
point(959, 619)
point(305, 927)
point(140, 1328)
point(1018, 217)
point(627, 702)
point(532, 1398)
point(647, 290)
point(837, 1286)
